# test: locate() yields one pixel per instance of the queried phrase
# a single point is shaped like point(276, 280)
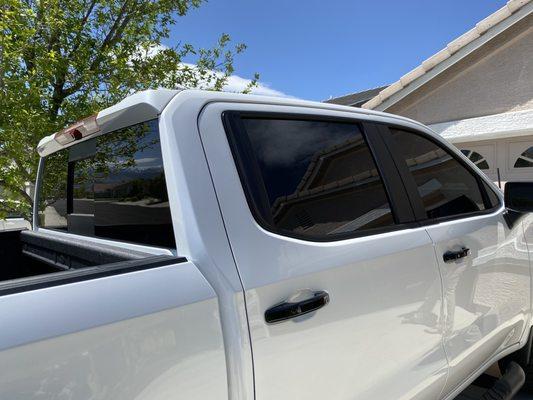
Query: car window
point(317, 178)
point(112, 186)
point(446, 187)
point(493, 199)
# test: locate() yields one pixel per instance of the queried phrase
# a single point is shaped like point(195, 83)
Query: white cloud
point(235, 83)
point(153, 50)
point(238, 84)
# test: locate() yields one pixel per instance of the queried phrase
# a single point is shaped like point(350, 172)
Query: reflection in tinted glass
point(319, 177)
point(447, 188)
point(116, 187)
point(81, 188)
point(493, 198)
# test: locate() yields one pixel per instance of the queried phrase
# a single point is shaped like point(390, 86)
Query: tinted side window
point(446, 187)
point(112, 186)
point(317, 178)
point(492, 197)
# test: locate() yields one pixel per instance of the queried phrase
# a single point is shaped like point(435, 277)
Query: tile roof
point(453, 47)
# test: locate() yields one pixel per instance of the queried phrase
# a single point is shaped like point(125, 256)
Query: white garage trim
point(505, 125)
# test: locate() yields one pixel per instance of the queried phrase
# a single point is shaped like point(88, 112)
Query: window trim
point(399, 204)
point(412, 189)
point(390, 177)
point(476, 163)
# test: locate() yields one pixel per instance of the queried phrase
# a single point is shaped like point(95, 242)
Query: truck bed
point(24, 253)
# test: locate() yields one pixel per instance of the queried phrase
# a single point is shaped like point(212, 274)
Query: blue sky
point(316, 49)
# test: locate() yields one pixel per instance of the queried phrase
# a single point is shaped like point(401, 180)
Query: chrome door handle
point(288, 310)
point(451, 256)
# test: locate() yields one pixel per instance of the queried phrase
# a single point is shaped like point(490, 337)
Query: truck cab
point(193, 244)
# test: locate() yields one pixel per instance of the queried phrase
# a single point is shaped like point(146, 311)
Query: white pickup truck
point(201, 245)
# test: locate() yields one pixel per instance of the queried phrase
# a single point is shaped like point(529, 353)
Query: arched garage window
point(525, 160)
point(476, 158)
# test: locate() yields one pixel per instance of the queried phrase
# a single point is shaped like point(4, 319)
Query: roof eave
point(449, 56)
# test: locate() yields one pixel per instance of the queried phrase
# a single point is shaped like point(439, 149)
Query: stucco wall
point(496, 78)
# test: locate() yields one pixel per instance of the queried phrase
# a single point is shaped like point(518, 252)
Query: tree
point(62, 60)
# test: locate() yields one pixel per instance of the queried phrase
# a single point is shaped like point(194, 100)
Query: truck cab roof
point(148, 104)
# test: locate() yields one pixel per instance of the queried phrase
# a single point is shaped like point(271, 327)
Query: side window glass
point(493, 198)
point(319, 179)
point(446, 187)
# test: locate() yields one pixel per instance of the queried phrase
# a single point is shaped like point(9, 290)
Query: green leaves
point(61, 60)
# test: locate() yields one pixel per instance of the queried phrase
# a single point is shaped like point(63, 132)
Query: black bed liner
point(31, 260)
point(65, 254)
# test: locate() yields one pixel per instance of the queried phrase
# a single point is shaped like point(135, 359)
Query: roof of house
point(356, 99)
point(494, 24)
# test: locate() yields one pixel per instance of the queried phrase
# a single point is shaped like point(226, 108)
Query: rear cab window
point(311, 179)
point(111, 186)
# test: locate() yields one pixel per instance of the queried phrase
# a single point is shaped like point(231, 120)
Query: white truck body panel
point(486, 298)
point(200, 232)
point(150, 334)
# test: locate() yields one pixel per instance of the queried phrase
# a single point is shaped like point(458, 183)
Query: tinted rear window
point(112, 186)
point(313, 179)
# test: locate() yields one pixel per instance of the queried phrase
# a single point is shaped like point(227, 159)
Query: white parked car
point(202, 245)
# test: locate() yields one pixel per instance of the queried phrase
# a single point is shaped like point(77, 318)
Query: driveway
point(474, 392)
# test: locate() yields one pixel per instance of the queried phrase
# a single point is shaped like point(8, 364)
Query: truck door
point(343, 294)
point(482, 257)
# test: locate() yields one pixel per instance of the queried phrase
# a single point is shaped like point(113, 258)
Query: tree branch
point(17, 190)
point(4, 152)
point(118, 26)
point(77, 40)
point(29, 54)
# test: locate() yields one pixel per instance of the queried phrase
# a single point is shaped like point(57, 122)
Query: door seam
point(442, 338)
point(232, 256)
